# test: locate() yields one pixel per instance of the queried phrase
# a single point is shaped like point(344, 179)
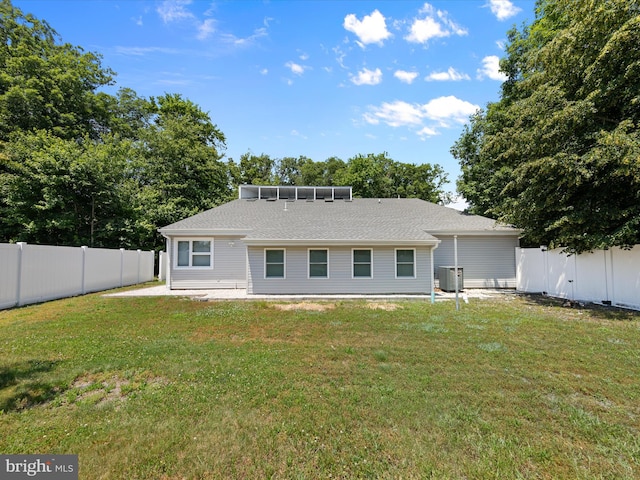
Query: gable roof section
point(360, 221)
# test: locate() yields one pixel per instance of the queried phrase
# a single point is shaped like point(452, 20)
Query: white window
point(318, 263)
point(194, 253)
point(405, 263)
point(274, 264)
point(362, 267)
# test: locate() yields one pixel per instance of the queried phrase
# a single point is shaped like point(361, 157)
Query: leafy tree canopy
point(371, 176)
point(559, 154)
point(45, 85)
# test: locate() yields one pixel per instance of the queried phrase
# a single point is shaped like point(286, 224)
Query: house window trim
point(309, 277)
point(415, 270)
point(284, 263)
point(353, 275)
point(190, 240)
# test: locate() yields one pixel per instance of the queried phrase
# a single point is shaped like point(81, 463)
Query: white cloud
point(427, 132)
point(491, 69)
point(264, 71)
point(450, 75)
point(406, 77)
point(449, 109)
point(426, 119)
point(367, 77)
point(340, 56)
point(177, 11)
point(503, 9)
point(371, 29)
point(206, 28)
point(433, 24)
point(295, 68)
point(174, 10)
point(395, 114)
point(246, 41)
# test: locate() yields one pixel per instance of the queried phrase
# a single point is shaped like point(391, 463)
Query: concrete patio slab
point(241, 294)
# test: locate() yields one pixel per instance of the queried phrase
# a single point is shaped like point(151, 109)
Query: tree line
point(79, 166)
point(558, 154)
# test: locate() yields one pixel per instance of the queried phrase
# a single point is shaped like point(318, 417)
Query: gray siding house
point(320, 240)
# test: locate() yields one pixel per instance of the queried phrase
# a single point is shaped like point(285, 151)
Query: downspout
point(455, 260)
point(168, 265)
point(433, 290)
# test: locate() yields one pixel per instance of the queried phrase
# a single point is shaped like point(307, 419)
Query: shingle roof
point(403, 219)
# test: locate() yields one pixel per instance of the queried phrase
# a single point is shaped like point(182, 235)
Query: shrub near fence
point(37, 273)
point(606, 276)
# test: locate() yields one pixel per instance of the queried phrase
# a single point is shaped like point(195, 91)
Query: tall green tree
point(558, 155)
point(44, 84)
point(255, 170)
point(178, 165)
point(378, 175)
point(369, 175)
point(321, 173)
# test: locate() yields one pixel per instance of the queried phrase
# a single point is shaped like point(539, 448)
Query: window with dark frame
point(318, 263)
point(274, 263)
point(405, 263)
point(362, 263)
point(194, 253)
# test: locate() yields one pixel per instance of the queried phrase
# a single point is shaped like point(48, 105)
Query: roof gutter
point(477, 233)
point(287, 242)
point(204, 232)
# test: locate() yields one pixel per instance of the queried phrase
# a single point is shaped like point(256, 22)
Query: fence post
point(160, 262)
point(122, 267)
point(545, 267)
point(19, 279)
point(613, 277)
point(84, 269)
point(139, 266)
point(153, 265)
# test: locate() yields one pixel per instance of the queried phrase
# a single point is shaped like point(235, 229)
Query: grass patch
point(153, 388)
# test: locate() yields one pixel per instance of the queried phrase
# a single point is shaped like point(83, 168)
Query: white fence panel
point(37, 273)
point(130, 268)
point(601, 276)
point(560, 273)
point(591, 276)
point(101, 269)
point(50, 272)
point(9, 273)
point(626, 281)
point(146, 266)
point(530, 271)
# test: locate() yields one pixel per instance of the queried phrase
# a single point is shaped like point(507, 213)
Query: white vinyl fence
point(604, 276)
point(37, 273)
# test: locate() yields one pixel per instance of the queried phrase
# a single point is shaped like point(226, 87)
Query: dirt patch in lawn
point(383, 306)
point(101, 388)
point(309, 306)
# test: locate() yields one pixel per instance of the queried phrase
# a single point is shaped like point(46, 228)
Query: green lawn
point(169, 388)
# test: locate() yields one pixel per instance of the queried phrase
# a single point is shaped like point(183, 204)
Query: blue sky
point(316, 78)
